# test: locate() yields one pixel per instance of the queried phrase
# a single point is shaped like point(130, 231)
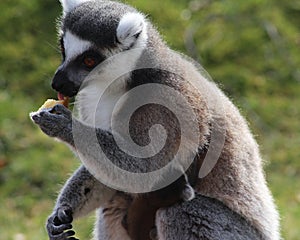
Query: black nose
point(59, 80)
point(61, 83)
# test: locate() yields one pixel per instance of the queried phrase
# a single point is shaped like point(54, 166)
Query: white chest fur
point(96, 102)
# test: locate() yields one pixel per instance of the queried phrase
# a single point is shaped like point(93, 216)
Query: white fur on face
point(118, 67)
point(74, 46)
point(130, 25)
point(69, 5)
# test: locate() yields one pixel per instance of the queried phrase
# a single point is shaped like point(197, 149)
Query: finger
point(42, 117)
point(55, 117)
point(55, 230)
point(65, 216)
point(35, 118)
point(60, 109)
point(51, 132)
point(56, 221)
point(69, 234)
point(48, 119)
point(62, 236)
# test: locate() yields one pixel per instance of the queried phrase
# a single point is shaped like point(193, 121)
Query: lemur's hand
point(59, 224)
point(55, 122)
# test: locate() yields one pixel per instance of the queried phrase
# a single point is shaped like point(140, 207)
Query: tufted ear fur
point(131, 28)
point(69, 5)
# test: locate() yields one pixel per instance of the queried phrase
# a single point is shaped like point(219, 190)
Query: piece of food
point(50, 103)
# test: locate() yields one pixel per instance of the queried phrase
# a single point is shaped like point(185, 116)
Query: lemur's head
point(90, 32)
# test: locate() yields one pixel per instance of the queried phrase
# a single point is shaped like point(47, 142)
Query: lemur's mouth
point(63, 99)
point(60, 96)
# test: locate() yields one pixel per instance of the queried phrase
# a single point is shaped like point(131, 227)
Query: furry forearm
point(83, 193)
point(103, 158)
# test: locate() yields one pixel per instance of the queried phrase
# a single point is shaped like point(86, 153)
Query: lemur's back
point(236, 178)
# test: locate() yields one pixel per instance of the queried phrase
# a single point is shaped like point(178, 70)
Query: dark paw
point(55, 122)
point(59, 225)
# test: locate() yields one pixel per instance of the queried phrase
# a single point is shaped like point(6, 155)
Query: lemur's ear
point(69, 5)
point(130, 29)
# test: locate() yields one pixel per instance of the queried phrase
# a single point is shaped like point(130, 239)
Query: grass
point(250, 48)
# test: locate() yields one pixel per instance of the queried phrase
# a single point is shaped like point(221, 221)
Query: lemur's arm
point(94, 145)
point(81, 194)
point(59, 123)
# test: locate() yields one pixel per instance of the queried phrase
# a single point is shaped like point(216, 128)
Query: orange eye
point(89, 62)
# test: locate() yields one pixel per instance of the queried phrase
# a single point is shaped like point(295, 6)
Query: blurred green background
point(251, 48)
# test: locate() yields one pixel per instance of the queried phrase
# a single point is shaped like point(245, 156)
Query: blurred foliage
point(251, 48)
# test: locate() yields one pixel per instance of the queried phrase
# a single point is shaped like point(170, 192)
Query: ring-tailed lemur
point(231, 202)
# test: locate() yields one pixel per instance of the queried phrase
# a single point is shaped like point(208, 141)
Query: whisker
point(55, 47)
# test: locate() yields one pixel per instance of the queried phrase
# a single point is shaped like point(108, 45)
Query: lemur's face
point(90, 32)
point(79, 59)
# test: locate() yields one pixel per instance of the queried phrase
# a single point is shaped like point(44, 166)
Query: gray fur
point(232, 202)
point(213, 220)
point(96, 21)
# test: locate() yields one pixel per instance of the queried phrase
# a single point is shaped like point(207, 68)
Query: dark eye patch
point(96, 57)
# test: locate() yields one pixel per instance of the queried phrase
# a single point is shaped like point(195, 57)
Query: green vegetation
point(251, 48)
